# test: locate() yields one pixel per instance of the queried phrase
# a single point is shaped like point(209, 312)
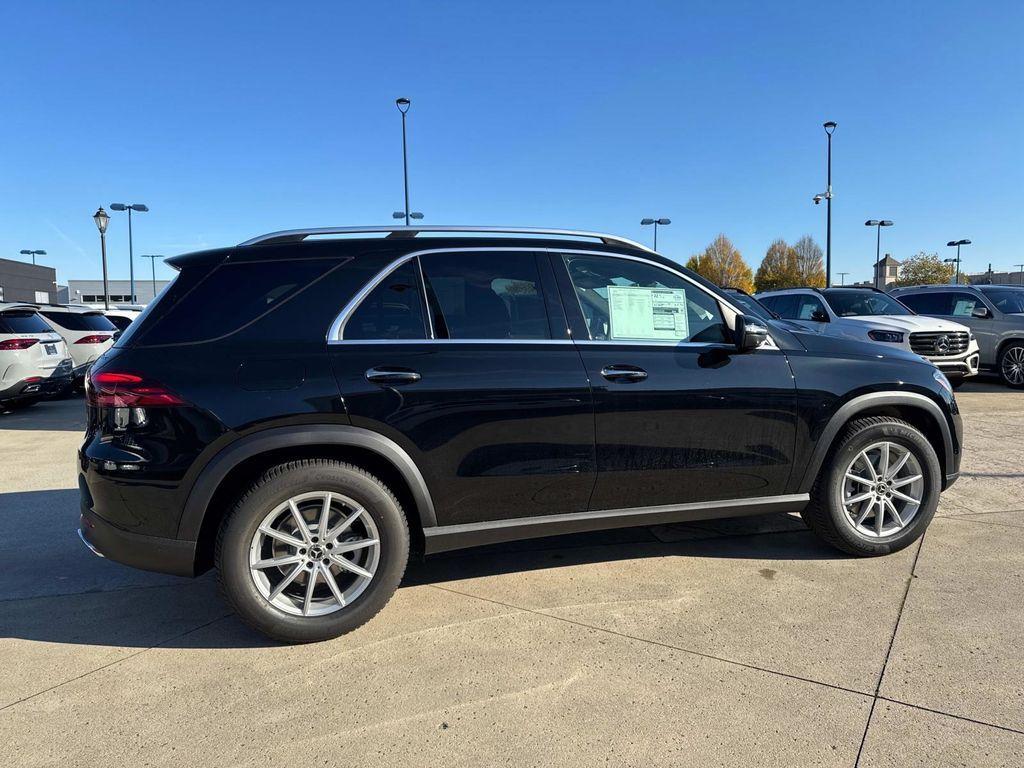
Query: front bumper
point(958, 366)
point(150, 553)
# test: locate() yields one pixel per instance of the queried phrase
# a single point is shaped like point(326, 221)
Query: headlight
point(893, 337)
point(940, 377)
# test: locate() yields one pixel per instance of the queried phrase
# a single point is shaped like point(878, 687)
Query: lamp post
point(830, 128)
point(33, 254)
point(842, 278)
point(403, 105)
point(152, 263)
point(957, 243)
point(877, 224)
point(102, 219)
point(131, 256)
point(655, 222)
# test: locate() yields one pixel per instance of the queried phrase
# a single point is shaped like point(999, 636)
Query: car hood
point(819, 343)
point(910, 322)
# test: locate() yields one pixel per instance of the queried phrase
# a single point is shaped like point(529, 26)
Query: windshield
point(860, 302)
point(750, 305)
point(80, 321)
point(1009, 300)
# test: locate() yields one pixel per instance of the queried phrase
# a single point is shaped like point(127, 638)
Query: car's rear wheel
point(1011, 364)
point(313, 550)
point(878, 490)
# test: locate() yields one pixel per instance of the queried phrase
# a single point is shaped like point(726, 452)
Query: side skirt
point(447, 537)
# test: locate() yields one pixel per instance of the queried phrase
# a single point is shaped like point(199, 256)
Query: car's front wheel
point(313, 550)
point(878, 489)
point(1011, 364)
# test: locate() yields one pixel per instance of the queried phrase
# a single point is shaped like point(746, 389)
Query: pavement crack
point(115, 662)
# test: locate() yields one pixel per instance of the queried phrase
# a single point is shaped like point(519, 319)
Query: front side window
point(487, 295)
point(964, 304)
point(392, 310)
point(625, 300)
point(810, 308)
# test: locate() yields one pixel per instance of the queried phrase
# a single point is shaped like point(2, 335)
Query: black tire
point(825, 515)
point(957, 381)
point(276, 486)
point(1017, 348)
point(20, 403)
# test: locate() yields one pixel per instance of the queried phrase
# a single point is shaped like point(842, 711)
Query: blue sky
point(230, 120)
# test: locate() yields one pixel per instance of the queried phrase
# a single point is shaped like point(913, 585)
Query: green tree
point(926, 269)
point(809, 264)
point(779, 268)
point(723, 265)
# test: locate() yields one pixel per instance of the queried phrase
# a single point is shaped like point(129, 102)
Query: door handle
point(392, 376)
point(623, 373)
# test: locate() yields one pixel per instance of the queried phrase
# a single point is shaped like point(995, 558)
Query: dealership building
point(21, 281)
point(91, 291)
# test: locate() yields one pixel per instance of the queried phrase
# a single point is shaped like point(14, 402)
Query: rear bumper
point(150, 553)
point(31, 389)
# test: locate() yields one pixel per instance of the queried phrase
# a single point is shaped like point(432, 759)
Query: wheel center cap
point(317, 552)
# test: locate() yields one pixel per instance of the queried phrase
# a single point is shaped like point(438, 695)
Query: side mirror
point(981, 312)
point(749, 333)
point(819, 317)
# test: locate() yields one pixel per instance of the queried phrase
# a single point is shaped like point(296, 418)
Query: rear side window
point(121, 323)
point(392, 310)
point(785, 307)
point(927, 303)
point(492, 295)
point(224, 300)
point(23, 322)
point(80, 321)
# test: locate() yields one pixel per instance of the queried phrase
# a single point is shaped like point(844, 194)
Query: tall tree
point(723, 265)
point(779, 268)
point(926, 269)
point(809, 264)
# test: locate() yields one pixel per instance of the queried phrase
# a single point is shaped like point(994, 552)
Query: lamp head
point(398, 215)
point(138, 207)
point(645, 222)
point(829, 127)
point(102, 219)
point(885, 223)
point(403, 105)
point(663, 222)
point(118, 207)
point(872, 223)
point(415, 215)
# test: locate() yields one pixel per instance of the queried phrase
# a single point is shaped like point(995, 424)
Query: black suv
point(302, 412)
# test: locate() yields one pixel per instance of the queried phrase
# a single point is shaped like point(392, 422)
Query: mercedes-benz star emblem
point(942, 344)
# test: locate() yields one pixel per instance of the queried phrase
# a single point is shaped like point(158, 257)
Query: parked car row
point(47, 349)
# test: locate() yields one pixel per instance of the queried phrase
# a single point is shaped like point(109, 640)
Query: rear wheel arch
point(233, 471)
point(917, 410)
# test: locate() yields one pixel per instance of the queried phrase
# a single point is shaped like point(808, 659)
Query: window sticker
point(647, 313)
point(964, 307)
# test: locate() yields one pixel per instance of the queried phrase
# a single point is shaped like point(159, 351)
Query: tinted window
point(750, 305)
point(809, 308)
point(963, 304)
point(860, 302)
point(784, 306)
point(934, 303)
point(393, 310)
point(23, 322)
point(80, 321)
point(629, 300)
point(493, 295)
point(120, 322)
point(226, 299)
point(1007, 300)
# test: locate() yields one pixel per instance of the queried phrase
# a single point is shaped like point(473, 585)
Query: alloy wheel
point(882, 490)
point(314, 554)
point(1013, 365)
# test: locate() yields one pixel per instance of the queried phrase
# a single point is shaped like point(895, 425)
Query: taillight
point(96, 338)
point(17, 343)
point(126, 390)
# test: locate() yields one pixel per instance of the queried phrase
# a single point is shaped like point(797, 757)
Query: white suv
point(87, 332)
point(868, 314)
point(34, 360)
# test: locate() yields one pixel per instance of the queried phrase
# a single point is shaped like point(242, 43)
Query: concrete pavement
point(732, 642)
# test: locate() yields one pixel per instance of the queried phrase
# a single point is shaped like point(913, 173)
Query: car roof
point(935, 287)
point(6, 307)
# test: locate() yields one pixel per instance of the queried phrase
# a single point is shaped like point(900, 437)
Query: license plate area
point(50, 349)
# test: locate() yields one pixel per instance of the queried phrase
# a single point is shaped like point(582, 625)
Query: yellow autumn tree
point(809, 264)
point(723, 265)
point(779, 268)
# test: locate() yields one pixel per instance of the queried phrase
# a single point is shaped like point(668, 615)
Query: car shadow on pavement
point(66, 415)
point(53, 590)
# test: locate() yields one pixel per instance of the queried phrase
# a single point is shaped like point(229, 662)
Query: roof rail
point(298, 235)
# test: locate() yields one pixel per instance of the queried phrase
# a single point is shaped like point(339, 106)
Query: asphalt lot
point(732, 642)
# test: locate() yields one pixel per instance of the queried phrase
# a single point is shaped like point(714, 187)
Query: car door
point(680, 416)
point(960, 308)
point(463, 359)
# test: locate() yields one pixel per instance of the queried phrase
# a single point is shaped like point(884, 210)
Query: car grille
point(940, 343)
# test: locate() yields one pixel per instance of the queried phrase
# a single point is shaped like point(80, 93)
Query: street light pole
point(663, 222)
point(829, 127)
point(152, 263)
point(131, 256)
point(33, 254)
point(842, 277)
point(403, 105)
point(958, 243)
point(878, 224)
point(102, 219)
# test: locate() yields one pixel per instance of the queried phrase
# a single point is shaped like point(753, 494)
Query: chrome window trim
point(337, 328)
point(293, 235)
